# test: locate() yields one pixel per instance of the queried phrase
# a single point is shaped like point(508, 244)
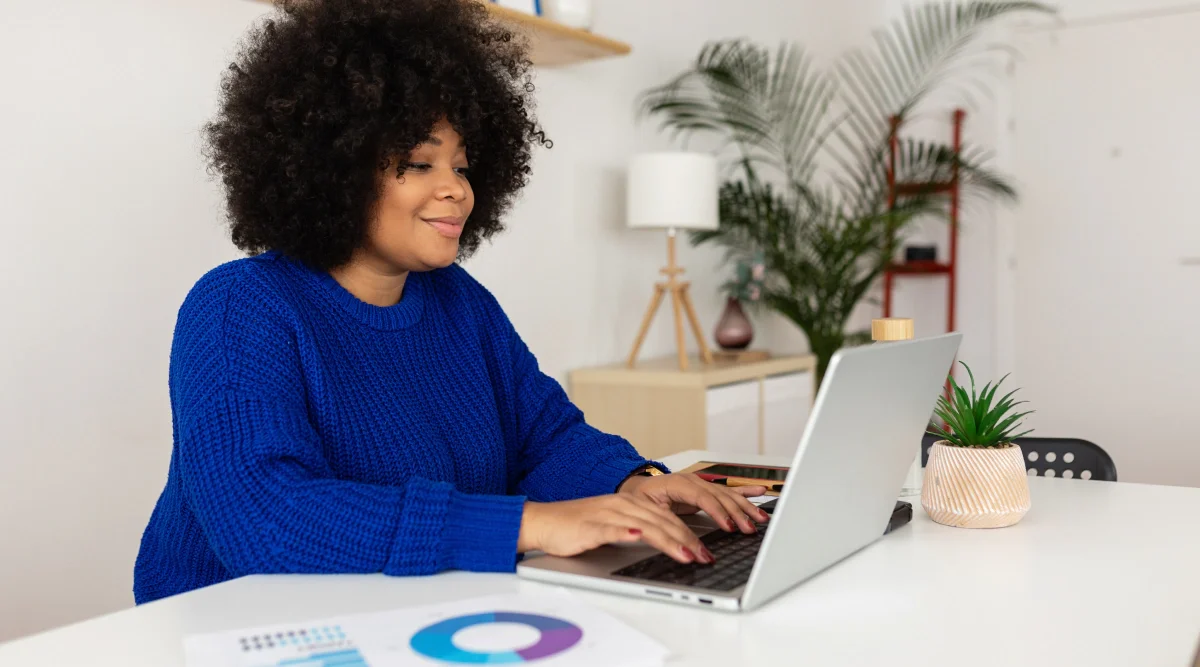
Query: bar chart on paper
point(349, 658)
point(318, 646)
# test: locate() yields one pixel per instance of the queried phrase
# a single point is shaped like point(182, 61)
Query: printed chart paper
point(548, 631)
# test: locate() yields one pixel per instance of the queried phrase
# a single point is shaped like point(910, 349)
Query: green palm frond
point(917, 53)
point(828, 234)
point(773, 108)
point(864, 186)
point(975, 419)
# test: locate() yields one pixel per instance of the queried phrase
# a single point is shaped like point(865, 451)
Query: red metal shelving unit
point(897, 190)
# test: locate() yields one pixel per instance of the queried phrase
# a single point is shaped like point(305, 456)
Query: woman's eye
point(463, 171)
point(416, 166)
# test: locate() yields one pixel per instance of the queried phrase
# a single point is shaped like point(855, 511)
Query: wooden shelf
point(919, 268)
point(948, 187)
point(556, 45)
point(923, 188)
point(553, 44)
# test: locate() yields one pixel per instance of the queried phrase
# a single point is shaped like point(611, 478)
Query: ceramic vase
point(734, 331)
point(975, 487)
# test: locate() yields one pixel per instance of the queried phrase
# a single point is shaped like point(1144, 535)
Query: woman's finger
point(614, 533)
point(729, 501)
point(704, 499)
point(716, 502)
point(734, 505)
point(653, 534)
point(663, 519)
point(748, 491)
point(660, 510)
point(690, 491)
point(740, 497)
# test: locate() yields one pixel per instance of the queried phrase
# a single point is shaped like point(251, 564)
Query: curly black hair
point(325, 95)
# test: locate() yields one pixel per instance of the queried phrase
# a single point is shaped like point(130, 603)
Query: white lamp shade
point(672, 190)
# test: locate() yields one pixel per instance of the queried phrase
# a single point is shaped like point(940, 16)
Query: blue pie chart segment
point(436, 641)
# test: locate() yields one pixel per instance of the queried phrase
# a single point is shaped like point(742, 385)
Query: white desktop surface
point(1096, 574)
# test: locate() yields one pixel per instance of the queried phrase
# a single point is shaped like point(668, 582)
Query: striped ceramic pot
point(975, 487)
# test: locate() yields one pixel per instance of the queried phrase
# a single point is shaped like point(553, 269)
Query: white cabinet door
point(787, 402)
point(732, 413)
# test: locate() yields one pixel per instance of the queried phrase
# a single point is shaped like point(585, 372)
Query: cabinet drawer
point(732, 415)
point(787, 402)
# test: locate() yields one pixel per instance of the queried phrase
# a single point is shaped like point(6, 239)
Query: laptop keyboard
point(734, 552)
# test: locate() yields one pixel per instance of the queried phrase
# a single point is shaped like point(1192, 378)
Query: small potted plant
point(975, 477)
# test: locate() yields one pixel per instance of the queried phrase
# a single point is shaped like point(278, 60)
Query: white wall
point(1099, 280)
point(1063, 373)
point(567, 248)
point(1073, 13)
point(986, 276)
point(108, 220)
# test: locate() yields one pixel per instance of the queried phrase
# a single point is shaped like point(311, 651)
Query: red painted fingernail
point(688, 552)
point(635, 532)
point(763, 516)
point(728, 523)
point(708, 554)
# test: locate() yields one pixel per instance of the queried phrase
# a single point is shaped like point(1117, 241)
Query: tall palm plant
point(810, 148)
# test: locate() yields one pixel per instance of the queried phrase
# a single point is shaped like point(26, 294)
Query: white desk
point(1096, 574)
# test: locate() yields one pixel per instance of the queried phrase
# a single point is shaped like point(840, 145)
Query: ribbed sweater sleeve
point(563, 458)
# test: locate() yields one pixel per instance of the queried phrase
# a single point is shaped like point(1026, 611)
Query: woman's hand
point(571, 527)
point(685, 493)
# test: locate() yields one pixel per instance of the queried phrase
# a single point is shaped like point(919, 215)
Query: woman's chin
point(441, 257)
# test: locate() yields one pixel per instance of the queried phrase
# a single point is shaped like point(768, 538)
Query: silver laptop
point(865, 428)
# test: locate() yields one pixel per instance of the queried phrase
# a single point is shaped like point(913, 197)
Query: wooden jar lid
point(891, 328)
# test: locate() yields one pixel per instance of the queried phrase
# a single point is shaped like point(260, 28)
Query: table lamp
point(672, 191)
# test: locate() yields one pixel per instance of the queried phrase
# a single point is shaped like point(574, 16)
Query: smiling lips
point(450, 227)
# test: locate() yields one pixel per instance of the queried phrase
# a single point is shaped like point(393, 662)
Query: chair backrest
point(1055, 457)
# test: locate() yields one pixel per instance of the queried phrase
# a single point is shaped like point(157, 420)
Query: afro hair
point(326, 96)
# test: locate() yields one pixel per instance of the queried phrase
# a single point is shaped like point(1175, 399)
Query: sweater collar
point(403, 314)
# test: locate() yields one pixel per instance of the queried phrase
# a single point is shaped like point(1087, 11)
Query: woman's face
point(421, 214)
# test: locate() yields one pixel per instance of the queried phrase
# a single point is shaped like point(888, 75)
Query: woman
point(347, 399)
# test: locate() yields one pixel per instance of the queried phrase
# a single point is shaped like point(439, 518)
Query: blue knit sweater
point(314, 432)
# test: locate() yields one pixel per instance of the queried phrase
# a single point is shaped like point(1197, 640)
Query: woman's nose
point(450, 185)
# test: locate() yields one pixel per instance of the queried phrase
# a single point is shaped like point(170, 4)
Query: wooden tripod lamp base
point(673, 190)
point(681, 302)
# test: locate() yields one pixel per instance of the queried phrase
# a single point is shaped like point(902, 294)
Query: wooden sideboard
point(736, 407)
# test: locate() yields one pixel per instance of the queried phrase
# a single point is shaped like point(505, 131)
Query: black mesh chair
point(1055, 457)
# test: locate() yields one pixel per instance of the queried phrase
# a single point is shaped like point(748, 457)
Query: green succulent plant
point(977, 419)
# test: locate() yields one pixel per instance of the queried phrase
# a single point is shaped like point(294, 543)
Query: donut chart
point(436, 641)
